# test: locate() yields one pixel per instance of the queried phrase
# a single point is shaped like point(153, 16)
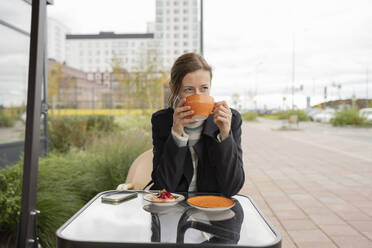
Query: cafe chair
point(139, 172)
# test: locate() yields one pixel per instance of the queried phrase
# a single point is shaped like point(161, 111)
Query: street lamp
point(367, 86)
point(293, 67)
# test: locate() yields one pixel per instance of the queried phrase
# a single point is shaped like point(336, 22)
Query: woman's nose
point(197, 91)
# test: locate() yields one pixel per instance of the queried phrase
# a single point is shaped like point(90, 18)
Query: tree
point(142, 88)
point(58, 80)
point(55, 77)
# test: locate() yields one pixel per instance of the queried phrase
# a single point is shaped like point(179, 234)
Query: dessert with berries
point(163, 196)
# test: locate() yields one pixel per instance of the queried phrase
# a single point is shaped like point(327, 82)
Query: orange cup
point(202, 105)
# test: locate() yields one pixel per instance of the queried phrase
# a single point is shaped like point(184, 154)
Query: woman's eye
point(188, 89)
point(205, 88)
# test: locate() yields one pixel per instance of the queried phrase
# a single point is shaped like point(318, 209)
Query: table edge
point(61, 240)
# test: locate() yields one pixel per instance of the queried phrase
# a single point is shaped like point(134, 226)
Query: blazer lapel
point(210, 127)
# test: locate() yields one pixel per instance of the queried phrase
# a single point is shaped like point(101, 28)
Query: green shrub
point(133, 122)
point(6, 119)
point(77, 131)
point(284, 115)
point(272, 117)
point(104, 123)
point(249, 116)
point(10, 203)
point(348, 117)
point(66, 181)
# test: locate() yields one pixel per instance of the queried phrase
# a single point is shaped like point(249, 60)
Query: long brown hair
point(186, 63)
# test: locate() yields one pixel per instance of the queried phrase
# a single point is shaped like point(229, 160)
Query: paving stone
point(316, 187)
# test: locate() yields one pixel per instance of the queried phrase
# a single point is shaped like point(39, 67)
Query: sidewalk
point(315, 188)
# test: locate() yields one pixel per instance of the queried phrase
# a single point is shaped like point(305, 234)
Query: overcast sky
point(250, 43)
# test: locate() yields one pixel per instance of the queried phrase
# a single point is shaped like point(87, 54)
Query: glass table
point(138, 223)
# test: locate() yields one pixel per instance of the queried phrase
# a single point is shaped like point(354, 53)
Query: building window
point(175, 52)
point(185, 19)
point(185, 11)
point(159, 11)
point(159, 19)
point(176, 36)
point(185, 44)
point(185, 36)
point(176, 11)
point(185, 27)
point(185, 3)
point(175, 43)
point(175, 3)
point(175, 27)
point(97, 52)
point(176, 19)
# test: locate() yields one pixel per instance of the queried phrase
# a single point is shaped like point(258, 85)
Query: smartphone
point(118, 197)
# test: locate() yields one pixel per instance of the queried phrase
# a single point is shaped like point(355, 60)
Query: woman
point(191, 155)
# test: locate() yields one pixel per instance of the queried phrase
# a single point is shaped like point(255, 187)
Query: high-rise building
point(96, 52)
point(56, 40)
point(177, 29)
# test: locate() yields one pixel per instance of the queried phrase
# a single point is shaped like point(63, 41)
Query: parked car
point(325, 115)
point(311, 113)
point(366, 113)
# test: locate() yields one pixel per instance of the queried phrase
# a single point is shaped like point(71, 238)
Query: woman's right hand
point(181, 117)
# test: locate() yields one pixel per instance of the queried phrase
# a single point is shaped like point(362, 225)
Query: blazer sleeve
point(227, 157)
point(169, 158)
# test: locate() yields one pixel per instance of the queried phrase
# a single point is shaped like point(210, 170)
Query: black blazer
point(220, 165)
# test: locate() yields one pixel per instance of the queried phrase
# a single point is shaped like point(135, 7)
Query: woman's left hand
point(222, 117)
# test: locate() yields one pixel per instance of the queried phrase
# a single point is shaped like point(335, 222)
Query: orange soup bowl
point(202, 105)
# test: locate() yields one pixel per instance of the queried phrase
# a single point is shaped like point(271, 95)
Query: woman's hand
point(181, 117)
point(222, 117)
